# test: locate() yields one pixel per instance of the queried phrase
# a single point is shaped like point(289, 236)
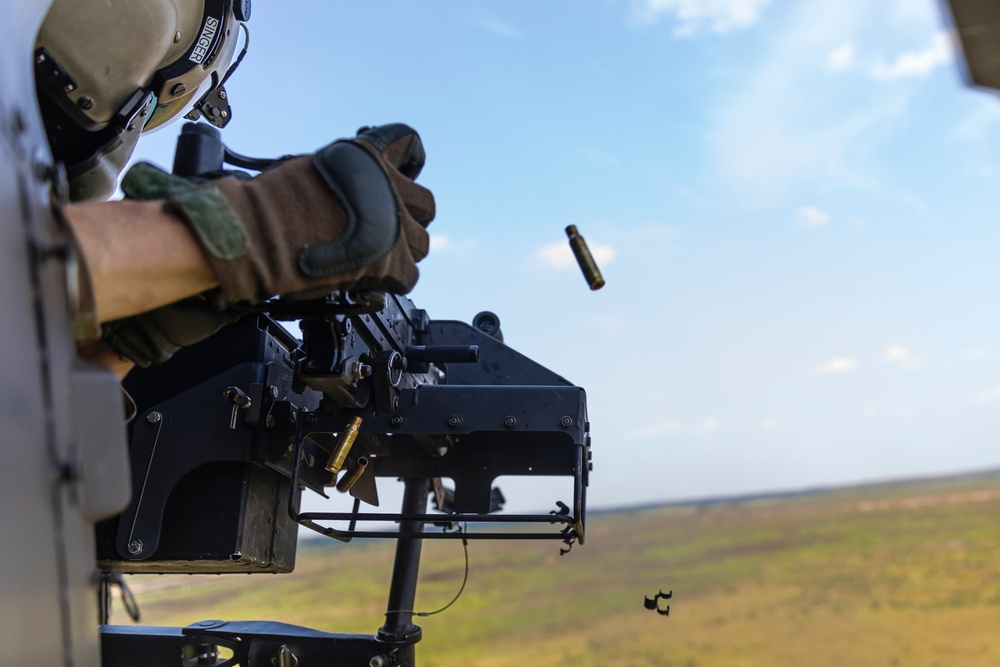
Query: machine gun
point(232, 431)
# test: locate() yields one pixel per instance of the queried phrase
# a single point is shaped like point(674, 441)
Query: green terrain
point(891, 575)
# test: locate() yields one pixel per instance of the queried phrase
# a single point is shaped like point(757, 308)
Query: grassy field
point(899, 575)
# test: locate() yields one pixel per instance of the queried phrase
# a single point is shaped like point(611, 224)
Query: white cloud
point(778, 131)
point(975, 353)
point(837, 365)
point(810, 216)
point(917, 63)
point(694, 17)
point(667, 427)
point(559, 256)
point(841, 58)
point(497, 26)
point(461, 248)
point(769, 424)
point(901, 357)
point(987, 396)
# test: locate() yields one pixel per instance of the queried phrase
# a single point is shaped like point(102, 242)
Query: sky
point(793, 204)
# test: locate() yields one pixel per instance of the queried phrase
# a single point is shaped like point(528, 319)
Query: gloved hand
point(349, 217)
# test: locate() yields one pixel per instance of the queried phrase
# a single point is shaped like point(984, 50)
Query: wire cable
point(465, 580)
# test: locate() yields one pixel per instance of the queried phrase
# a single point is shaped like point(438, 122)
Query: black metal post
point(399, 629)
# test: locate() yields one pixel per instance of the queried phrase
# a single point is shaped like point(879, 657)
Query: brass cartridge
point(343, 446)
point(584, 258)
point(354, 473)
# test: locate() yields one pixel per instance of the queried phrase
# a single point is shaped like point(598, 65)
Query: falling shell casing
point(354, 473)
point(584, 258)
point(343, 447)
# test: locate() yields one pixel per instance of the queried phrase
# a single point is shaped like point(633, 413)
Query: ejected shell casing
point(343, 446)
point(591, 273)
point(354, 473)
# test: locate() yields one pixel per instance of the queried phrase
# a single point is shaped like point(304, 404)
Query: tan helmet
point(107, 71)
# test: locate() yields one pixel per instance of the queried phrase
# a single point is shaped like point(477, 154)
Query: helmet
point(107, 71)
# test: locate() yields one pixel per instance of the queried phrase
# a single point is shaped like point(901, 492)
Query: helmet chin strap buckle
point(214, 107)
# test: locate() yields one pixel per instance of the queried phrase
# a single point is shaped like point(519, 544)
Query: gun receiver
point(232, 431)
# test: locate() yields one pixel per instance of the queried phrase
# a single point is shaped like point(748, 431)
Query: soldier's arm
point(138, 256)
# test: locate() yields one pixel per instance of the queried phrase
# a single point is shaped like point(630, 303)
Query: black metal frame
point(436, 399)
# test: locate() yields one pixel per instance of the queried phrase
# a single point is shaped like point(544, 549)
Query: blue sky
point(793, 204)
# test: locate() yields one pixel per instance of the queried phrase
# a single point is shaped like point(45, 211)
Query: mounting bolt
point(154, 417)
point(222, 94)
point(377, 661)
point(135, 547)
point(396, 421)
point(509, 421)
point(566, 421)
point(454, 421)
point(311, 418)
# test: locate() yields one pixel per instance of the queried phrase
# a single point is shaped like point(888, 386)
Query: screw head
point(154, 417)
point(85, 103)
point(396, 420)
point(273, 390)
point(377, 661)
point(454, 421)
point(135, 547)
point(509, 421)
point(40, 58)
point(222, 94)
point(177, 36)
point(311, 418)
point(179, 89)
point(566, 421)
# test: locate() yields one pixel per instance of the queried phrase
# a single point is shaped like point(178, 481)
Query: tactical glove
point(349, 217)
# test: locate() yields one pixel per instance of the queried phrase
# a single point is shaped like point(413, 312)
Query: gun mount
point(232, 431)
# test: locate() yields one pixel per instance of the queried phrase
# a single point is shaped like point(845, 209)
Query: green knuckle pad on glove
point(217, 225)
point(363, 188)
point(210, 215)
point(144, 181)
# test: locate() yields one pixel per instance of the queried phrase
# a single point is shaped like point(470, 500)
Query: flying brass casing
point(343, 446)
point(585, 259)
point(354, 473)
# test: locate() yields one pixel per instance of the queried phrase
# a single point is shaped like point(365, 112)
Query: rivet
point(509, 421)
point(135, 547)
point(40, 58)
point(566, 421)
point(154, 417)
point(177, 36)
point(454, 421)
